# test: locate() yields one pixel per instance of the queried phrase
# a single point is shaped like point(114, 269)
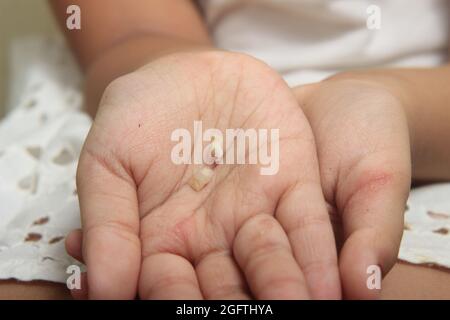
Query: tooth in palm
point(201, 178)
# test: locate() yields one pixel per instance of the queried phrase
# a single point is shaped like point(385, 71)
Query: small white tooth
point(201, 178)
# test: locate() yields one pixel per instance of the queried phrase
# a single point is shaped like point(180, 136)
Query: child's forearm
point(116, 37)
point(428, 110)
point(425, 94)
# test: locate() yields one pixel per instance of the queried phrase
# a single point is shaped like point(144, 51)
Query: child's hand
point(245, 234)
point(361, 133)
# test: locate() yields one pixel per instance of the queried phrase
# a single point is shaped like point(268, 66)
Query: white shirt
point(308, 40)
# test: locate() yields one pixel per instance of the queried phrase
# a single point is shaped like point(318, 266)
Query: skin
point(244, 235)
point(363, 149)
point(363, 169)
point(369, 127)
point(105, 55)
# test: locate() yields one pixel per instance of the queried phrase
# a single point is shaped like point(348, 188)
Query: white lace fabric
point(40, 142)
point(426, 238)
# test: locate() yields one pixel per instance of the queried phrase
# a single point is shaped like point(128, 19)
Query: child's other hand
point(362, 139)
point(245, 234)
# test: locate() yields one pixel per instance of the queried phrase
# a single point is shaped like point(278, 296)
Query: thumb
point(110, 220)
point(372, 203)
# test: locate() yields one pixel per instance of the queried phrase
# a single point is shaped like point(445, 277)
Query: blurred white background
point(20, 18)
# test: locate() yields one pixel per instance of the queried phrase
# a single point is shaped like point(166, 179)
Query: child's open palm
point(146, 231)
point(363, 146)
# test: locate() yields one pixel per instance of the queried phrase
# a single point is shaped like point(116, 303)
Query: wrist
point(394, 84)
point(128, 56)
point(422, 99)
